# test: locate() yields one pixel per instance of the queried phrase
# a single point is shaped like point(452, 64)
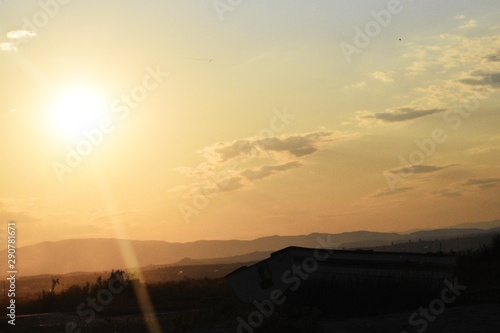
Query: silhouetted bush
point(70, 298)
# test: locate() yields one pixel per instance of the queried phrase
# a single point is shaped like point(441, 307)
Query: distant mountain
point(416, 236)
point(478, 225)
point(454, 242)
point(254, 256)
point(91, 255)
point(447, 245)
point(446, 233)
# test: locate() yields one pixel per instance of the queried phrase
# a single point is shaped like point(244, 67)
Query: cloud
point(493, 57)
point(268, 170)
point(358, 85)
point(482, 150)
point(243, 179)
point(16, 37)
point(384, 76)
point(467, 24)
point(24, 206)
point(420, 169)
point(449, 193)
point(470, 24)
point(214, 186)
point(20, 34)
point(396, 115)
point(491, 145)
point(417, 67)
point(237, 164)
point(101, 217)
point(482, 183)
point(483, 79)
point(470, 185)
point(295, 145)
point(229, 184)
point(387, 191)
point(8, 47)
point(454, 57)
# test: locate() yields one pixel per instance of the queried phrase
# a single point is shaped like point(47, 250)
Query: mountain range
point(91, 255)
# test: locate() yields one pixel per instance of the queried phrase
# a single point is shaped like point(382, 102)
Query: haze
point(264, 119)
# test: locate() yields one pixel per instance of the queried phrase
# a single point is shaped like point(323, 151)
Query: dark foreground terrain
point(480, 318)
point(209, 305)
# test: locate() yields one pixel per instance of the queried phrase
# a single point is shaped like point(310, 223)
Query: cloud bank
point(238, 164)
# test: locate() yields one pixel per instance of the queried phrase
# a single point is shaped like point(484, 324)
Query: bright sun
point(76, 109)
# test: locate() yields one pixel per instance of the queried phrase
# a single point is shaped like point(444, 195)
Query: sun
point(75, 109)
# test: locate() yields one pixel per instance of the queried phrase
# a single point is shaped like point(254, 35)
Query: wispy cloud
point(245, 178)
point(482, 183)
point(358, 85)
point(466, 24)
point(225, 184)
point(386, 77)
point(395, 115)
point(483, 79)
point(295, 145)
point(417, 67)
point(16, 37)
point(387, 191)
point(8, 47)
point(104, 215)
point(420, 169)
point(470, 24)
point(447, 192)
point(20, 34)
point(491, 145)
point(268, 170)
point(238, 164)
point(455, 57)
point(493, 57)
point(469, 185)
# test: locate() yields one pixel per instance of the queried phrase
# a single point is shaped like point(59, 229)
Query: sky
point(187, 120)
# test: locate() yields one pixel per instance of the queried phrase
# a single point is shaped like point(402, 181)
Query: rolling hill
point(92, 255)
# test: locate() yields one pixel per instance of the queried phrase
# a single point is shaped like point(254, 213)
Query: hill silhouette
point(91, 255)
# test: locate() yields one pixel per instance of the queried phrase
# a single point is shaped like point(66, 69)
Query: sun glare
point(76, 109)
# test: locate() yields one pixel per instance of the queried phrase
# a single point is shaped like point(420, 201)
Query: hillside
point(94, 255)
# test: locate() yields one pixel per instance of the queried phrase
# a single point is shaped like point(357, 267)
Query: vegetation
point(209, 304)
point(480, 271)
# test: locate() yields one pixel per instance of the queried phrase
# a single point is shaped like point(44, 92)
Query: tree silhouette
point(54, 283)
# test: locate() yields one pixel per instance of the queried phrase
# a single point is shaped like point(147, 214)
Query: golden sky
point(186, 120)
